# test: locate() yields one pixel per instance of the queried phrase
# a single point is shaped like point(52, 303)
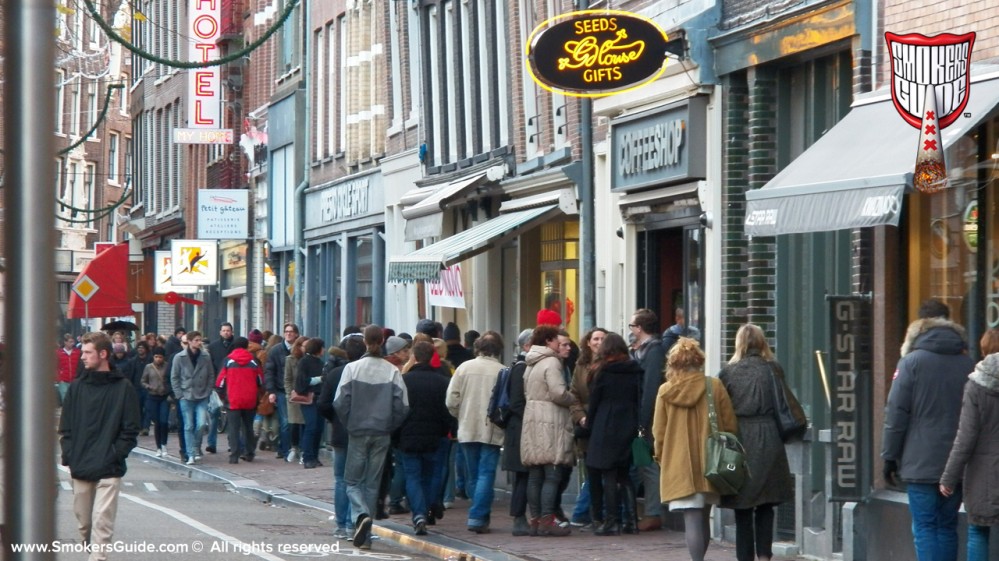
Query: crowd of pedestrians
point(411, 426)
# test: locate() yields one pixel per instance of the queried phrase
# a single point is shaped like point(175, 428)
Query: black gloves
point(890, 472)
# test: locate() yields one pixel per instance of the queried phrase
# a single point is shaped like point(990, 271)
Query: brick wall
point(735, 177)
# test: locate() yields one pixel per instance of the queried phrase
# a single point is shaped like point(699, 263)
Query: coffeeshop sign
point(596, 53)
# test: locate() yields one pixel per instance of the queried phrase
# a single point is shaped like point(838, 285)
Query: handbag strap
point(712, 416)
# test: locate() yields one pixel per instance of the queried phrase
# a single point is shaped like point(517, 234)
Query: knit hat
point(395, 344)
point(451, 332)
point(255, 336)
point(549, 317)
point(426, 326)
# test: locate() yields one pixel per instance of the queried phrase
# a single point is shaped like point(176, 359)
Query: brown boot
point(548, 526)
point(650, 524)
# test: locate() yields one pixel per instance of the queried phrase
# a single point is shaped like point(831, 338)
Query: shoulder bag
point(301, 399)
point(724, 457)
point(790, 417)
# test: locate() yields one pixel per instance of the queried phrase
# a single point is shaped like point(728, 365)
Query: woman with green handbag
point(680, 428)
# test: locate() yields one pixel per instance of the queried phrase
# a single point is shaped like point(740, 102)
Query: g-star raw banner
point(223, 214)
point(447, 291)
point(204, 91)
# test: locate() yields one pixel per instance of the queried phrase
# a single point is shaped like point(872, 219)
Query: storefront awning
point(855, 175)
point(106, 280)
point(425, 213)
point(427, 262)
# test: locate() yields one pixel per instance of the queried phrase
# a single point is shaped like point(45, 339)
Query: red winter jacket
point(68, 364)
point(241, 377)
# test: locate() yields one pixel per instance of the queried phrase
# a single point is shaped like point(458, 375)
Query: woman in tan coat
point(680, 428)
point(296, 420)
point(546, 440)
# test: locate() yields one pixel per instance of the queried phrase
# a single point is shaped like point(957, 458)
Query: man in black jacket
point(921, 420)
point(98, 428)
point(219, 351)
point(423, 437)
point(274, 384)
point(648, 351)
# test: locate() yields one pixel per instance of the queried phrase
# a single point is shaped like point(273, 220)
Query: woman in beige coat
point(546, 441)
point(680, 428)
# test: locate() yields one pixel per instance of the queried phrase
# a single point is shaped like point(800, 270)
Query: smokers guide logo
point(930, 84)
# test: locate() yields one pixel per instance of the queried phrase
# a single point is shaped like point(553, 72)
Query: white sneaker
point(292, 456)
point(163, 450)
point(190, 460)
point(159, 452)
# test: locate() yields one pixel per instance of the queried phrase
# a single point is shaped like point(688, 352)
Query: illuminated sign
point(596, 53)
point(204, 95)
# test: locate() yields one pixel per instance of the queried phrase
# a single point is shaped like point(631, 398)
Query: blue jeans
point(461, 479)
point(581, 514)
point(158, 409)
point(934, 521)
point(424, 478)
point(195, 414)
point(363, 472)
point(312, 434)
point(978, 542)
point(284, 429)
point(480, 461)
point(213, 427)
point(341, 504)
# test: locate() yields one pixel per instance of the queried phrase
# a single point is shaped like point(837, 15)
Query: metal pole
point(29, 236)
point(587, 223)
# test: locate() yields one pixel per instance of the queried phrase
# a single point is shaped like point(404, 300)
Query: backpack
point(498, 410)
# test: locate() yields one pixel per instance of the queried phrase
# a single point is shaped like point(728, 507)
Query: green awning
point(426, 263)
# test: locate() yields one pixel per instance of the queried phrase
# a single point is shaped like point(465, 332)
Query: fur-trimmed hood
point(986, 373)
point(937, 335)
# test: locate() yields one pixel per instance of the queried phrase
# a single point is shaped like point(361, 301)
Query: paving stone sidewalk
point(271, 479)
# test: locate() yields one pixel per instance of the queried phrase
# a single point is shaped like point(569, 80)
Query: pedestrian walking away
point(921, 420)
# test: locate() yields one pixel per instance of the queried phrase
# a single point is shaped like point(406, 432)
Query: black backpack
point(498, 410)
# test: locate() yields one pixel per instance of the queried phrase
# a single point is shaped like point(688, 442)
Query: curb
point(437, 545)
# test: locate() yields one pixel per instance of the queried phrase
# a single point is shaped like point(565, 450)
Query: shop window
point(559, 271)
point(942, 239)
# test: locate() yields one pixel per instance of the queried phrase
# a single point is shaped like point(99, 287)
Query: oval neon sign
point(596, 53)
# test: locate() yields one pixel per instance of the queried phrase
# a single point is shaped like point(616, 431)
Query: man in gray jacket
point(192, 377)
point(921, 419)
point(649, 353)
point(371, 402)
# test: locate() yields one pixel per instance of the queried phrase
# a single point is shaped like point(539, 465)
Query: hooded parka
point(547, 435)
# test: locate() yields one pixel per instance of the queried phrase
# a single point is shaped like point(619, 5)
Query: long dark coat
point(975, 455)
point(511, 435)
point(613, 414)
point(750, 386)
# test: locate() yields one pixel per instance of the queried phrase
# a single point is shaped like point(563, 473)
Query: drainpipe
point(306, 159)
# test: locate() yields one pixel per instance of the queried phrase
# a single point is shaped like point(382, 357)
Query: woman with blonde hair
point(680, 428)
point(748, 378)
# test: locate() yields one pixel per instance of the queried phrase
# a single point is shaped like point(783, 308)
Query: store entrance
point(670, 276)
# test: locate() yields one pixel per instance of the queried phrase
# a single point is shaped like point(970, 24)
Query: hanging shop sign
point(596, 53)
point(447, 291)
point(930, 85)
point(849, 329)
point(204, 85)
point(163, 279)
point(223, 214)
point(194, 262)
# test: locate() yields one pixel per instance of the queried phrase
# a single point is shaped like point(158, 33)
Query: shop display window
point(944, 252)
point(560, 272)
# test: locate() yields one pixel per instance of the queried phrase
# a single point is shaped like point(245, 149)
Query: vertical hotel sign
point(849, 330)
point(204, 93)
point(596, 53)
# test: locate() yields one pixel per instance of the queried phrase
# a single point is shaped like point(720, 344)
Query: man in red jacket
point(68, 359)
point(241, 378)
